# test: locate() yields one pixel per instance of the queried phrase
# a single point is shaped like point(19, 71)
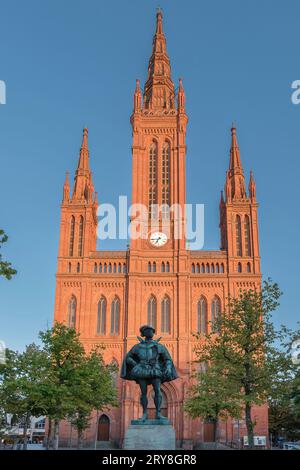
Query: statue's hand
point(169, 371)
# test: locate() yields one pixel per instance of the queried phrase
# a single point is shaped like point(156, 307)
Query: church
point(158, 280)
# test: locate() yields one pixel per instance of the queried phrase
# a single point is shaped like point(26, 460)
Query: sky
point(71, 64)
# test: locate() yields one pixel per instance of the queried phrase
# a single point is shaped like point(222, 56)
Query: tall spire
point(83, 177)
point(235, 182)
point(159, 88)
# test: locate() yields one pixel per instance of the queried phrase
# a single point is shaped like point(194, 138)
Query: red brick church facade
point(107, 295)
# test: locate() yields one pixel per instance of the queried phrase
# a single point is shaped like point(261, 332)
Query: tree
point(212, 397)
point(76, 382)
point(94, 389)
point(243, 343)
point(21, 379)
point(5, 267)
point(284, 412)
point(65, 354)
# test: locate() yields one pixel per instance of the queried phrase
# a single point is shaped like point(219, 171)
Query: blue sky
point(72, 64)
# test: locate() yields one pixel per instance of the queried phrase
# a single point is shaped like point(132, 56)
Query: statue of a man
point(149, 363)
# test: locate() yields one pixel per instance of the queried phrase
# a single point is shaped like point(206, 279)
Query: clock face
point(158, 238)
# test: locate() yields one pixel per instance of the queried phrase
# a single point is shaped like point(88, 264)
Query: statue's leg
point(157, 397)
point(144, 399)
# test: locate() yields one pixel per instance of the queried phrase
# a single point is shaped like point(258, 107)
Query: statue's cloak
point(163, 360)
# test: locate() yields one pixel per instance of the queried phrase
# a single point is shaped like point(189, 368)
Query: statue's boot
point(159, 415)
point(145, 416)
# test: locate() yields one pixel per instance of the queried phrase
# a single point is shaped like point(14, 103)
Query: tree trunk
point(80, 439)
point(49, 434)
point(249, 425)
point(216, 429)
point(56, 433)
point(26, 422)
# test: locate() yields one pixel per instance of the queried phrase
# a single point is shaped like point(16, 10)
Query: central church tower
point(158, 251)
point(159, 152)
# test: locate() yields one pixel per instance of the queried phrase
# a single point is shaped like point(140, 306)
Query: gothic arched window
point(72, 306)
point(215, 309)
point(163, 268)
point(101, 317)
point(239, 267)
point(168, 267)
point(80, 236)
point(247, 236)
point(152, 179)
point(72, 231)
point(238, 235)
point(151, 312)
point(165, 180)
point(202, 316)
point(115, 317)
point(165, 315)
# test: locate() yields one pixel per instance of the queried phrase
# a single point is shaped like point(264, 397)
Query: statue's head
point(147, 331)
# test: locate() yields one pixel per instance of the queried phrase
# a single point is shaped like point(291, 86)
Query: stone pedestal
point(155, 434)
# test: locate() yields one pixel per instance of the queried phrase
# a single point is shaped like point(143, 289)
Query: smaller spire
point(159, 16)
point(235, 160)
point(181, 97)
point(252, 187)
point(83, 178)
point(66, 189)
point(222, 199)
point(235, 181)
point(137, 100)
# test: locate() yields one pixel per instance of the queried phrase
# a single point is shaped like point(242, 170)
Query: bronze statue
point(149, 363)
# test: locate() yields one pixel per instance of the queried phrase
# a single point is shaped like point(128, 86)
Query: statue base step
point(151, 434)
point(150, 422)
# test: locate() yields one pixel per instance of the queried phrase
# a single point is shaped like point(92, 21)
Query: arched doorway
point(151, 404)
point(103, 428)
point(209, 429)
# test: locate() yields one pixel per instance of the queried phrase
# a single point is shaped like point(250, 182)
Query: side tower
point(78, 237)
point(238, 221)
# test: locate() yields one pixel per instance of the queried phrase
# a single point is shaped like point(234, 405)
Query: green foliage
point(250, 354)
point(21, 381)
point(5, 267)
point(212, 396)
point(58, 380)
point(93, 390)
